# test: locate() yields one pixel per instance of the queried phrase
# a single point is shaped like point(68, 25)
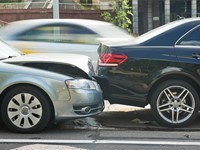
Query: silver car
point(32, 98)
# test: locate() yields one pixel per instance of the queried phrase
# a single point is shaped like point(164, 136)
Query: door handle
point(196, 55)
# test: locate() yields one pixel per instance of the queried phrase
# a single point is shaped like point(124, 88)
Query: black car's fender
point(169, 73)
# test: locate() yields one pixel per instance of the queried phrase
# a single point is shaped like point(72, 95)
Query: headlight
point(80, 84)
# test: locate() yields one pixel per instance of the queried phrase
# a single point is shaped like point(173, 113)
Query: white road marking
point(136, 142)
point(47, 147)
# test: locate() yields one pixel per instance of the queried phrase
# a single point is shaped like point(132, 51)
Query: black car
point(160, 68)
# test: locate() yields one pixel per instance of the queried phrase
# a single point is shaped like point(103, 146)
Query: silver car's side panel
point(56, 93)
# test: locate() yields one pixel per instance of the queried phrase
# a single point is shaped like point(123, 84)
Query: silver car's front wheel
point(25, 109)
point(175, 103)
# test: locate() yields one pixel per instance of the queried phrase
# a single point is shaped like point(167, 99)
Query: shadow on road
point(118, 117)
point(139, 119)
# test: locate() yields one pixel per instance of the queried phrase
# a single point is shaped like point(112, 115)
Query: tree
point(122, 11)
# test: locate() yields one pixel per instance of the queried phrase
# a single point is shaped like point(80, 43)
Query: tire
point(25, 109)
point(175, 103)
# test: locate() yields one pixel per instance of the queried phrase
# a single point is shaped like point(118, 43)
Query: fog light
point(86, 109)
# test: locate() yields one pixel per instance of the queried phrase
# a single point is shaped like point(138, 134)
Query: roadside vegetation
point(120, 14)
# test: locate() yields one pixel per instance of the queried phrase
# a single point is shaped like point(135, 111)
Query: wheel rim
point(24, 110)
point(175, 104)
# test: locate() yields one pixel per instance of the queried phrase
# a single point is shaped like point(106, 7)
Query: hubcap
point(24, 110)
point(175, 104)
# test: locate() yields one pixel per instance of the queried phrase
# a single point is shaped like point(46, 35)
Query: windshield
point(7, 51)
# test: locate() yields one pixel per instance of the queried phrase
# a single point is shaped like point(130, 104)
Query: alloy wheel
point(175, 104)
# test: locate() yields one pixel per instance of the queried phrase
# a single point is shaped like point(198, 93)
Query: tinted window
point(192, 39)
point(74, 29)
point(77, 34)
point(43, 33)
point(59, 33)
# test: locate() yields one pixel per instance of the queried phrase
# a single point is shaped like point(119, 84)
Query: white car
point(80, 36)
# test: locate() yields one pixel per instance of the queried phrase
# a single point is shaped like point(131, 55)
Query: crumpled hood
point(80, 61)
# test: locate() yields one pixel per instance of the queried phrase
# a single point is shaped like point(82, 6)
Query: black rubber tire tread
point(46, 113)
point(160, 88)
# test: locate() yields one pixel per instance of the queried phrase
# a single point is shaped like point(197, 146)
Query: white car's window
point(59, 34)
point(44, 33)
point(77, 34)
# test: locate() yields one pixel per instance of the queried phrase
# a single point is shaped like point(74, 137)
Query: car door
point(188, 47)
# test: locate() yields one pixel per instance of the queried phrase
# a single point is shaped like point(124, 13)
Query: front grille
point(82, 110)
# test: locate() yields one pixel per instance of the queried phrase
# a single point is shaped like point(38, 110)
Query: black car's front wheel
point(25, 109)
point(175, 103)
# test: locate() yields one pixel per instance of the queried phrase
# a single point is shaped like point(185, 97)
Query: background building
point(149, 14)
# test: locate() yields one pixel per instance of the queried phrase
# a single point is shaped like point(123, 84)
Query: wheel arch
point(187, 78)
point(6, 90)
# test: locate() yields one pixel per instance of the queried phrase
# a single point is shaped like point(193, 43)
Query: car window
point(192, 38)
point(44, 33)
point(60, 34)
point(77, 34)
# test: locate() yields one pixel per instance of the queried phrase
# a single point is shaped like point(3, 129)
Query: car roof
point(74, 21)
point(165, 28)
point(97, 26)
point(22, 25)
point(153, 37)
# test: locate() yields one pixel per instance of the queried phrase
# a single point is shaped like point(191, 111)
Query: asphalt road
point(118, 127)
point(126, 117)
point(94, 147)
point(59, 139)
